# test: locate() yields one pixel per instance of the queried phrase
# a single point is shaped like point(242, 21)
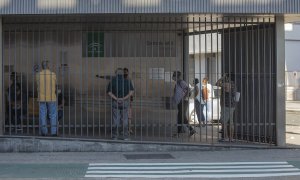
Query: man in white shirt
point(207, 95)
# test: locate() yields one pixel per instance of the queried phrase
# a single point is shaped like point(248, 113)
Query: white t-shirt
point(210, 91)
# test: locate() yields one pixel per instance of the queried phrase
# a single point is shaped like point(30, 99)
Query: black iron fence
point(82, 55)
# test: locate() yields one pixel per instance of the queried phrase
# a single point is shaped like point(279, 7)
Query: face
point(125, 73)
point(174, 77)
point(204, 81)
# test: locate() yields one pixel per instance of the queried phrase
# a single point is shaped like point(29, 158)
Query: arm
point(196, 90)
point(112, 96)
point(219, 82)
point(109, 92)
point(131, 90)
point(128, 95)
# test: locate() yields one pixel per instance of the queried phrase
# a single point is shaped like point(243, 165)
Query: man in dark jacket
point(120, 90)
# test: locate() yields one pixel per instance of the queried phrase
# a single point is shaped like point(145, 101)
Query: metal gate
point(83, 52)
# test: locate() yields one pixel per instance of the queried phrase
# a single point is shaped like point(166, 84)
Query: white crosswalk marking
point(204, 170)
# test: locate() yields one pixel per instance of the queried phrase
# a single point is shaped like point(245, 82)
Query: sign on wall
point(93, 44)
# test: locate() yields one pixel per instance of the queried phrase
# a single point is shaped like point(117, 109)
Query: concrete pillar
point(280, 81)
point(1, 80)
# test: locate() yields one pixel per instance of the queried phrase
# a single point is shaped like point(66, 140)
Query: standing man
point(120, 90)
point(46, 84)
point(207, 94)
point(181, 95)
point(199, 103)
point(228, 103)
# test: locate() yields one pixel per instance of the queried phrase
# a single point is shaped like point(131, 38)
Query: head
point(45, 64)
point(176, 75)
point(13, 77)
point(196, 81)
point(232, 76)
point(205, 80)
point(126, 72)
point(18, 89)
point(119, 72)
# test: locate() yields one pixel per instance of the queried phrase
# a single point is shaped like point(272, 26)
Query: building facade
point(85, 38)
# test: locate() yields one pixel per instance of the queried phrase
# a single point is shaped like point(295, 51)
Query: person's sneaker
point(126, 139)
point(192, 132)
point(114, 138)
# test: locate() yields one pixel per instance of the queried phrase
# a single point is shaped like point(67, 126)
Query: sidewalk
point(77, 165)
point(293, 106)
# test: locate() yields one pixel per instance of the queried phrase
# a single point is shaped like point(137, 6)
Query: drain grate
point(148, 156)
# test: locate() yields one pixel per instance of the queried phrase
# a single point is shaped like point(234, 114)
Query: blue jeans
point(51, 108)
point(199, 110)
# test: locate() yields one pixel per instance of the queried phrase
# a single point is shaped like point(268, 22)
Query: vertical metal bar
point(211, 76)
point(110, 99)
point(247, 79)
point(170, 68)
point(69, 84)
point(223, 71)
point(99, 85)
point(229, 71)
point(265, 97)
point(146, 73)
point(9, 84)
point(141, 74)
point(259, 78)
point(93, 88)
point(15, 81)
point(152, 81)
point(206, 69)
point(164, 85)
point(200, 79)
point(21, 74)
point(185, 68)
point(194, 75)
point(253, 76)
point(27, 78)
point(2, 93)
point(270, 110)
point(87, 84)
point(235, 73)
point(157, 76)
point(33, 80)
point(62, 56)
point(217, 76)
point(241, 80)
point(134, 103)
point(81, 78)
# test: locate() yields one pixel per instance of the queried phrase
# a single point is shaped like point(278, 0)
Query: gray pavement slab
point(293, 106)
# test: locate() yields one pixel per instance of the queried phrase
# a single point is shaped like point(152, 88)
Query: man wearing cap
point(46, 84)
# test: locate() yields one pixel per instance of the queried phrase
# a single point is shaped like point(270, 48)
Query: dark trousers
point(182, 119)
point(199, 110)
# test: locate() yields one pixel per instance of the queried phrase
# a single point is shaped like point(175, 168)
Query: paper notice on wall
point(168, 76)
point(157, 73)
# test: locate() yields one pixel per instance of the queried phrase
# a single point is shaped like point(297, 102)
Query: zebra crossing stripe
point(181, 164)
point(193, 167)
point(204, 170)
